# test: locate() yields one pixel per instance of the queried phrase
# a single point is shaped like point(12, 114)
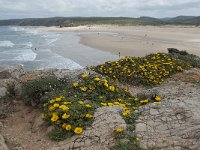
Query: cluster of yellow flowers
point(151, 69)
point(74, 111)
point(70, 115)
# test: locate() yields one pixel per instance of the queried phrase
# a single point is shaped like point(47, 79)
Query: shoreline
point(136, 40)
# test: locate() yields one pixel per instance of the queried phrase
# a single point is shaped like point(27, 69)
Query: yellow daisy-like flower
point(65, 116)
point(111, 88)
point(52, 101)
point(103, 104)
point(122, 105)
point(119, 130)
point(144, 101)
point(54, 117)
point(157, 98)
point(56, 105)
point(116, 103)
point(88, 115)
point(52, 108)
point(105, 84)
point(64, 107)
point(100, 97)
point(78, 130)
point(75, 84)
point(84, 76)
point(84, 89)
point(66, 103)
point(68, 127)
point(110, 104)
point(88, 105)
point(96, 79)
point(125, 113)
point(58, 99)
point(43, 115)
point(81, 102)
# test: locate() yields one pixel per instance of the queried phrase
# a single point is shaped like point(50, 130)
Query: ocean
point(38, 49)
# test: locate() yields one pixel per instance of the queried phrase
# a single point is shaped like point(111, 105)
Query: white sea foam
point(25, 55)
point(51, 38)
point(27, 44)
point(26, 30)
point(6, 44)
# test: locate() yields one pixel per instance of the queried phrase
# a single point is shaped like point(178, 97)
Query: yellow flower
point(144, 101)
point(122, 105)
point(65, 116)
point(84, 89)
point(58, 99)
point(78, 130)
point(54, 117)
point(43, 115)
point(52, 108)
point(116, 103)
point(56, 105)
point(125, 113)
point(111, 88)
point(68, 127)
point(103, 104)
point(52, 101)
point(105, 84)
point(110, 104)
point(119, 130)
point(179, 68)
point(100, 97)
point(88, 116)
point(75, 84)
point(84, 75)
point(80, 102)
point(64, 125)
point(157, 98)
point(66, 103)
point(88, 105)
point(64, 107)
point(96, 79)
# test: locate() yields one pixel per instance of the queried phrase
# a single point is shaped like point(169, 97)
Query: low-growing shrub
point(34, 90)
point(149, 70)
point(74, 110)
point(190, 58)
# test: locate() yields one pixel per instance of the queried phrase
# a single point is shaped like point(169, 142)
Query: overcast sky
point(127, 8)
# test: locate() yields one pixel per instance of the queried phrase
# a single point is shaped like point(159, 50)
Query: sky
point(13, 9)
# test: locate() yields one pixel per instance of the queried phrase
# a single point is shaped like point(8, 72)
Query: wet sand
point(137, 40)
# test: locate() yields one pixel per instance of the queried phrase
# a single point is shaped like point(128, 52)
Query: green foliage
point(33, 91)
point(190, 58)
point(58, 134)
point(127, 140)
point(73, 110)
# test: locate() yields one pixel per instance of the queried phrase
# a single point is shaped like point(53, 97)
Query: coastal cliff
point(176, 116)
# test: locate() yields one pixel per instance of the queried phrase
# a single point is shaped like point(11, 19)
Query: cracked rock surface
point(100, 135)
point(173, 123)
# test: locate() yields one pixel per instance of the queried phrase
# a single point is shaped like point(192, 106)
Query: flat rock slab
point(173, 123)
point(100, 135)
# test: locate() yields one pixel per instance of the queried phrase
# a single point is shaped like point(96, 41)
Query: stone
point(100, 135)
point(14, 71)
point(174, 122)
point(3, 145)
point(38, 122)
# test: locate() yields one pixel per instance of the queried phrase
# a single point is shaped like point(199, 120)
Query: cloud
point(129, 8)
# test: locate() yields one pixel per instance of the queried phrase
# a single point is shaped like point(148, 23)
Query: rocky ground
point(171, 124)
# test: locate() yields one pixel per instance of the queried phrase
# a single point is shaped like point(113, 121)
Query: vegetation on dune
point(70, 107)
point(76, 21)
point(149, 70)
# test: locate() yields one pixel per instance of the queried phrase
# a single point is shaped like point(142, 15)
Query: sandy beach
point(136, 40)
